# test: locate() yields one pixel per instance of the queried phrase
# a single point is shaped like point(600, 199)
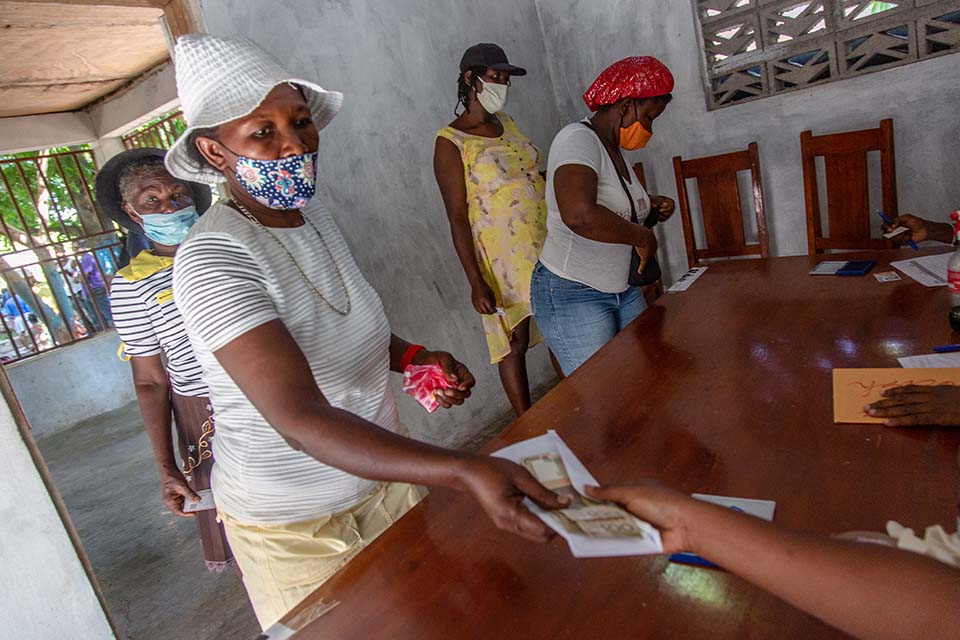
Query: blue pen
point(913, 245)
point(947, 348)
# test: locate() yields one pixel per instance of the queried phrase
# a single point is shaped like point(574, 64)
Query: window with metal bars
point(758, 48)
point(58, 253)
point(159, 133)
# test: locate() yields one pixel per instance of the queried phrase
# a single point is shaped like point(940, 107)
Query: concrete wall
point(24, 133)
point(153, 94)
point(44, 592)
point(582, 38)
point(62, 387)
point(396, 63)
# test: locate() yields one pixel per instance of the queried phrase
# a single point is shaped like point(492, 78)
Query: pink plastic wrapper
point(635, 77)
point(421, 381)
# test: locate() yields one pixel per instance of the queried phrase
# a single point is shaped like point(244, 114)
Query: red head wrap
point(635, 77)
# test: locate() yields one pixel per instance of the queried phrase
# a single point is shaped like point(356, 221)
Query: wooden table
point(724, 389)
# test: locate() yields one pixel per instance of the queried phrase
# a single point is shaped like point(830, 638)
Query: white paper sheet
point(686, 280)
point(931, 361)
point(763, 509)
point(930, 271)
point(580, 546)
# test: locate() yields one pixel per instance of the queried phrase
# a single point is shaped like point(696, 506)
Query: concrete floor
point(148, 561)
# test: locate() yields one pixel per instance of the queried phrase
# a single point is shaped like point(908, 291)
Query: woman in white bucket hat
point(294, 343)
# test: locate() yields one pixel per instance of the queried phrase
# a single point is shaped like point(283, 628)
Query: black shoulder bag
point(651, 272)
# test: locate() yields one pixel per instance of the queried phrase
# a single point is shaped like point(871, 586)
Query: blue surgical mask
point(286, 183)
point(169, 228)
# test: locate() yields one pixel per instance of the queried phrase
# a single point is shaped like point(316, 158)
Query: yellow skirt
point(283, 564)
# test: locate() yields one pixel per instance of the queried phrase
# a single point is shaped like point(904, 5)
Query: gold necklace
point(343, 285)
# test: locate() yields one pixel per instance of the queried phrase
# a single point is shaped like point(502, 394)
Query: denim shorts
point(576, 320)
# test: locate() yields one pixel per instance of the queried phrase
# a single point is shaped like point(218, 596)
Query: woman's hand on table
point(456, 372)
point(646, 249)
point(500, 487)
point(666, 509)
point(915, 405)
point(175, 491)
point(666, 206)
point(484, 300)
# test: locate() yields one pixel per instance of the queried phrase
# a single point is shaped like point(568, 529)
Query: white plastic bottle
point(953, 275)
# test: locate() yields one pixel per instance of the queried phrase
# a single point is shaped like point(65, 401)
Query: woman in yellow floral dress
point(489, 176)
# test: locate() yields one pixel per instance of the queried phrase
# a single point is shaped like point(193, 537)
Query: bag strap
point(623, 183)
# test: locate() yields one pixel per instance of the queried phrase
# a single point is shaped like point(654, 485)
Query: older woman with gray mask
point(136, 191)
point(312, 462)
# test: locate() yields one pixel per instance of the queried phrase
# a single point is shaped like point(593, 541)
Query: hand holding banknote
point(666, 509)
point(591, 528)
point(500, 487)
point(582, 516)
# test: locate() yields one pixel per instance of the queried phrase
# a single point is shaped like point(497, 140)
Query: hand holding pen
point(910, 226)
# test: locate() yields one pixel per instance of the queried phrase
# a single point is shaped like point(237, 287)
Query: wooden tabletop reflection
point(724, 389)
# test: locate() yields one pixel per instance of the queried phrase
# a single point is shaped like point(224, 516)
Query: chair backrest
point(719, 192)
point(847, 182)
point(641, 175)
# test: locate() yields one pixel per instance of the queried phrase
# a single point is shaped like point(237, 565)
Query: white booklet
point(592, 529)
point(686, 280)
point(206, 502)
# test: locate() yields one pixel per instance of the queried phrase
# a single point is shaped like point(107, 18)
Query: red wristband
point(408, 355)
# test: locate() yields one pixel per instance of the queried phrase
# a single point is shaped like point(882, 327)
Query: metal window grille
point(160, 133)
point(57, 253)
point(757, 48)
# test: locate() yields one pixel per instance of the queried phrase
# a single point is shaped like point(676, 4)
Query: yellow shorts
point(283, 564)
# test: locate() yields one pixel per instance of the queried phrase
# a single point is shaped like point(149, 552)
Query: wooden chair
point(653, 291)
point(848, 203)
point(719, 191)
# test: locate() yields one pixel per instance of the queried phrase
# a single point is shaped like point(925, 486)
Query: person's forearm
point(466, 252)
point(866, 590)
point(940, 231)
point(603, 225)
point(398, 348)
point(154, 401)
point(346, 441)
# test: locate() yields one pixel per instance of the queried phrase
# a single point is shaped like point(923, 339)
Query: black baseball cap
point(487, 54)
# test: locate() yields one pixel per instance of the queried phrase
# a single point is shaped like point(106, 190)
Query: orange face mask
point(635, 136)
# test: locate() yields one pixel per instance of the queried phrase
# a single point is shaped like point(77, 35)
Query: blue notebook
point(843, 268)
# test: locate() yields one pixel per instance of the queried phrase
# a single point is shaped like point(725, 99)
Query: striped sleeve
point(220, 289)
point(133, 323)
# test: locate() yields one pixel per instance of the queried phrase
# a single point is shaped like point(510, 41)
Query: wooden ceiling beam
point(158, 4)
point(180, 18)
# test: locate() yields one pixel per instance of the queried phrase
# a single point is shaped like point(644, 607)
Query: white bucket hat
point(222, 79)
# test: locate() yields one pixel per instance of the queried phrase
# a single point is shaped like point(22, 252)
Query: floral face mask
point(284, 184)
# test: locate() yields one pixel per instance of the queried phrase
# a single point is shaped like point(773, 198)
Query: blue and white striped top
point(149, 323)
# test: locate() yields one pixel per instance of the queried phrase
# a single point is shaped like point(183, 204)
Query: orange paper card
point(854, 388)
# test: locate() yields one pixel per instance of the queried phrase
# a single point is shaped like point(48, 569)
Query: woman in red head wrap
point(598, 215)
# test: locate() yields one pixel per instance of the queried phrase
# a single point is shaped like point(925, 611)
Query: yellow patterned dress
point(508, 217)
